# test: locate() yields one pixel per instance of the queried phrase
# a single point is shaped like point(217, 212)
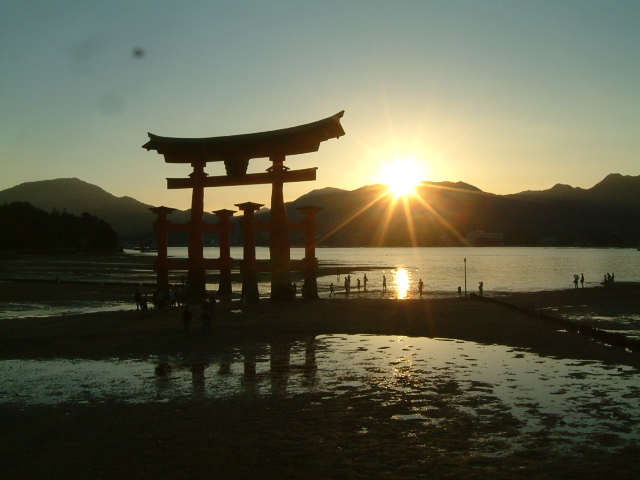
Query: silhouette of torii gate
point(236, 151)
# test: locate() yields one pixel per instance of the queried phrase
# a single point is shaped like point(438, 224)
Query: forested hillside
point(24, 227)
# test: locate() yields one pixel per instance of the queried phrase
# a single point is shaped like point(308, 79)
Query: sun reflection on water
point(402, 282)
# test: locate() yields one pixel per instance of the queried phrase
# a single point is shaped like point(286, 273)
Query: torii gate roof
point(287, 141)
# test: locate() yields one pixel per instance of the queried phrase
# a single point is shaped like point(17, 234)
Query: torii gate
point(236, 151)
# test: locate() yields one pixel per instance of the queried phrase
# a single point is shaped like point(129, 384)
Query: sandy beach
point(291, 436)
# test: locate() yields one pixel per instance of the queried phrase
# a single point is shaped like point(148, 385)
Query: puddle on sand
point(419, 381)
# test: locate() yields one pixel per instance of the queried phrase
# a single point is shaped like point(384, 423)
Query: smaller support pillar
point(162, 229)
point(226, 262)
point(310, 261)
point(249, 263)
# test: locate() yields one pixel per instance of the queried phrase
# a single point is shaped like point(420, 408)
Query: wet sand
point(303, 436)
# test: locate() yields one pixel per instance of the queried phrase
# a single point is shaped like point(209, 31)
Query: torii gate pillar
point(279, 245)
point(310, 260)
point(197, 270)
point(162, 229)
point(249, 263)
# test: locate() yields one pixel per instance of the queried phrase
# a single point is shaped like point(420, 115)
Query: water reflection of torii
point(279, 372)
point(236, 151)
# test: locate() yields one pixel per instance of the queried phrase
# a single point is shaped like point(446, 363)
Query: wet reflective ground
point(509, 397)
point(53, 309)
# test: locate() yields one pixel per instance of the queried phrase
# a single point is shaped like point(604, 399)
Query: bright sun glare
point(402, 176)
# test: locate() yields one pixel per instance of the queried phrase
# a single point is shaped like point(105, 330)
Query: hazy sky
point(504, 95)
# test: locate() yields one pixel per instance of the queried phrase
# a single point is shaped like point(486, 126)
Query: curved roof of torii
point(287, 141)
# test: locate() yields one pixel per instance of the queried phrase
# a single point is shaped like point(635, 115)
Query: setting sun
point(402, 176)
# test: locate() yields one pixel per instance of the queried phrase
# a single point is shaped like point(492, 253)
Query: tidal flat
point(369, 388)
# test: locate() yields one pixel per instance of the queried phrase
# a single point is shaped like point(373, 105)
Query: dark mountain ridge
point(124, 214)
point(614, 190)
point(442, 213)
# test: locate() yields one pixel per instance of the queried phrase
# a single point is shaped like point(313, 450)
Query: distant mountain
point(442, 213)
point(127, 216)
point(614, 190)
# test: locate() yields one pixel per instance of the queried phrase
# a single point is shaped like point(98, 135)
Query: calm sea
point(443, 270)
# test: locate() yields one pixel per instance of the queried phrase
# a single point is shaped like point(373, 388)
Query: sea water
point(443, 270)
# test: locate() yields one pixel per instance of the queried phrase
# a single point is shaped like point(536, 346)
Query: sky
point(504, 95)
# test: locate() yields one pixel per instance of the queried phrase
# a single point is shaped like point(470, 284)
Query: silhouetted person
point(295, 289)
point(420, 286)
point(178, 290)
point(613, 277)
point(481, 289)
point(384, 283)
point(365, 282)
point(138, 297)
point(358, 284)
point(346, 285)
point(582, 280)
point(186, 318)
point(212, 301)
point(331, 291)
point(145, 303)
point(575, 280)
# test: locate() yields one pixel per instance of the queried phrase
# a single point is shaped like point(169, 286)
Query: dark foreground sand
point(303, 436)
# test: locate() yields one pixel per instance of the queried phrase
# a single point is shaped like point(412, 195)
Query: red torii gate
point(236, 151)
point(224, 263)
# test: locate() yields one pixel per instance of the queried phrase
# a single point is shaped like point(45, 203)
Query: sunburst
point(402, 176)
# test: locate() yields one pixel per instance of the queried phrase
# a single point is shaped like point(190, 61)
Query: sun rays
point(411, 205)
point(402, 176)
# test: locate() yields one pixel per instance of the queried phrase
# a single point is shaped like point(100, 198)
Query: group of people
point(175, 296)
point(609, 279)
point(206, 315)
point(303, 289)
point(347, 283)
point(142, 301)
point(365, 280)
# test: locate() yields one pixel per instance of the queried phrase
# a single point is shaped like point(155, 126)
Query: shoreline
point(129, 332)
